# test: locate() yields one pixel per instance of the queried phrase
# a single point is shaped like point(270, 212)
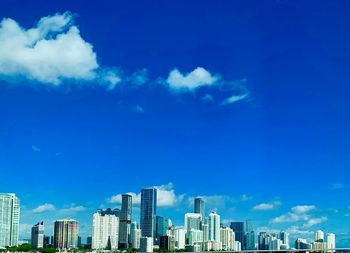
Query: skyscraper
point(160, 228)
point(193, 221)
point(227, 238)
point(214, 227)
point(135, 235)
point(199, 207)
point(330, 241)
point(105, 229)
point(319, 236)
point(238, 228)
point(125, 221)
point(38, 235)
point(65, 234)
point(148, 211)
point(9, 219)
point(284, 236)
point(249, 236)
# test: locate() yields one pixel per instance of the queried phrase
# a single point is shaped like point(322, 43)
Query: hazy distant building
point(249, 236)
point(193, 221)
point(284, 236)
point(238, 228)
point(125, 221)
point(199, 207)
point(148, 211)
point(9, 219)
point(319, 236)
point(65, 234)
point(330, 241)
point(214, 227)
point(38, 235)
point(194, 236)
point(302, 244)
point(135, 235)
point(146, 244)
point(105, 229)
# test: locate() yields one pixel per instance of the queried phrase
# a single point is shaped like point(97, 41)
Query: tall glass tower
point(148, 212)
point(199, 207)
point(125, 221)
point(9, 219)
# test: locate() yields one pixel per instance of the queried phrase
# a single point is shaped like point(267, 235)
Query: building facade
point(214, 227)
point(65, 234)
point(38, 235)
point(199, 207)
point(9, 219)
point(105, 230)
point(125, 221)
point(148, 211)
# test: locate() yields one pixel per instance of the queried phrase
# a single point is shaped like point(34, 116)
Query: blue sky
point(242, 102)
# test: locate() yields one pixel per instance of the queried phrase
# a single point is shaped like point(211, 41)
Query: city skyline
point(242, 104)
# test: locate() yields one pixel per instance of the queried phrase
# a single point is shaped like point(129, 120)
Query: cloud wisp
point(267, 206)
point(44, 208)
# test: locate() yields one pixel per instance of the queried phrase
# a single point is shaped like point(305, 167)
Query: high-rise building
point(65, 234)
point(238, 228)
point(9, 219)
point(199, 207)
point(205, 228)
point(105, 229)
point(194, 236)
point(79, 241)
point(146, 244)
point(302, 244)
point(214, 227)
point(135, 235)
point(319, 236)
point(38, 235)
point(89, 241)
point(160, 229)
point(125, 221)
point(148, 211)
point(193, 221)
point(330, 241)
point(227, 238)
point(167, 243)
point(180, 238)
point(47, 240)
point(249, 236)
point(284, 236)
point(262, 245)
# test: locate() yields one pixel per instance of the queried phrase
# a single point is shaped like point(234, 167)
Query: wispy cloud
point(297, 213)
point(50, 52)
point(44, 208)
point(36, 148)
point(234, 98)
point(314, 221)
point(267, 206)
point(138, 108)
point(73, 209)
point(338, 185)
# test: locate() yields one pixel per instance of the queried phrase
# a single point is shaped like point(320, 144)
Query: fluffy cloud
point(267, 206)
point(298, 213)
point(50, 52)
point(166, 196)
point(44, 208)
point(190, 81)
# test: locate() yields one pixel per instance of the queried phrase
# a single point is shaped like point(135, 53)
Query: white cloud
point(314, 221)
point(297, 213)
point(139, 77)
point(166, 196)
point(234, 99)
point(303, 209)
point(73, 209)
point(50, 52)
point(245, 197)
point(190, 81)
point(44, 208)
point(267, 206)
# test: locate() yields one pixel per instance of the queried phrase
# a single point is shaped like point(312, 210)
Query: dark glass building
point(148, 212)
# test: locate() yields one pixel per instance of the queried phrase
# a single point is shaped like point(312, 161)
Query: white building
point(194, 236)
point(180, 238)
point(9, 219)
point(237, 246)
point(38, 235)
point(227, 238)
point(105, 229)
point(330, 241)
point(214, 227)
point(319, 236)
point(135, 235)
point(146, 244)
point(193, 221)
point(205, 228)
